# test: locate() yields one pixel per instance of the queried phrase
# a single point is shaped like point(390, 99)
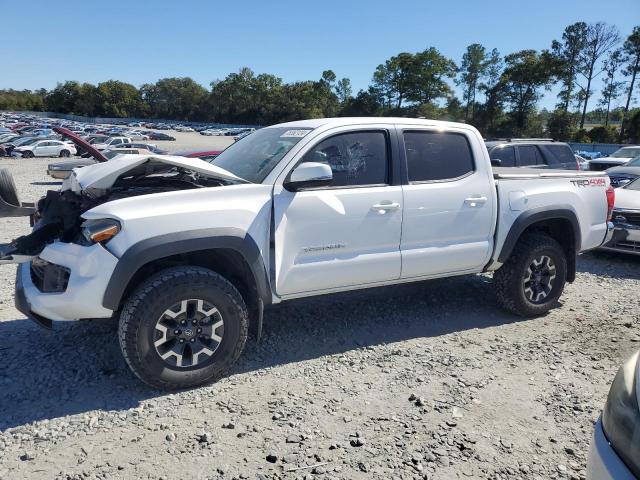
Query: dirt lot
point(429, 380)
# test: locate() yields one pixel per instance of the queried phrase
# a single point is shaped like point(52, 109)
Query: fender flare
point(535, 215)
point(188, 241)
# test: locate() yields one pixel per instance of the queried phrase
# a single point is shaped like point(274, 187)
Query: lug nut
point(193, 340)
point(182, 340)
point(199, 330)
point(176, 332)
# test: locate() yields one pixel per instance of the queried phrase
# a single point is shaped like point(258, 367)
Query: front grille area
point(49, 277)
point(627, 217)
point(627, 245)
point(616, 179)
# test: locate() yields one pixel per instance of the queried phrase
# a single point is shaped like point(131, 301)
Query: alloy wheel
point(538, 279)
point(188, 333)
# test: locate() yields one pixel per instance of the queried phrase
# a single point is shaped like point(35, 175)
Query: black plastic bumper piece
point(22, 305)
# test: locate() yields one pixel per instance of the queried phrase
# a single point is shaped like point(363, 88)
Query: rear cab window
point(437, 156)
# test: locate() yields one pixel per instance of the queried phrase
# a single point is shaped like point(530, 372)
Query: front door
point(347, 233)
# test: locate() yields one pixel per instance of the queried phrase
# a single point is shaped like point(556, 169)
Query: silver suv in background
point(532, 153)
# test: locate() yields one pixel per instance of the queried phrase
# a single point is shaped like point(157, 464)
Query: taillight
point(578, 166)
point(611, 200)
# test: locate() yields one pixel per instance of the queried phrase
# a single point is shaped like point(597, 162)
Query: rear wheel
point(8, 191)
point(533, 278)
point(185, 326)
point(65, 153)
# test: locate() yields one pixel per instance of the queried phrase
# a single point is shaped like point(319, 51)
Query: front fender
point(178, 243)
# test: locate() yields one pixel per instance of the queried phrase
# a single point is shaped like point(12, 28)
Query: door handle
point(382, 207)
point(475, 201)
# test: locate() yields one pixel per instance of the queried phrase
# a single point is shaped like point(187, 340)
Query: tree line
point(498, 94)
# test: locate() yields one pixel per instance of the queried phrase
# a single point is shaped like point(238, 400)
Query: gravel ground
point(428, 380)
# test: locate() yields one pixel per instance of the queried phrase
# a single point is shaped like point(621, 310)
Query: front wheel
point(184, 327)
point(28, 154)
point(531, 281)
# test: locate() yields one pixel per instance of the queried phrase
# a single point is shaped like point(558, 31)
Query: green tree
point(63, 97)
point(567, 53)
point(631, 49)
point(343, 90)
point(176, 98)
point(526, 73)
point(600, 39)
point(612, 88)
point(118, 99)
point(393, 78)
point(561, 125)
point(602, 134)
point(472, 69)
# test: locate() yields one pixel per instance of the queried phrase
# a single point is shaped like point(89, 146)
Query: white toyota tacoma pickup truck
point(188, 253)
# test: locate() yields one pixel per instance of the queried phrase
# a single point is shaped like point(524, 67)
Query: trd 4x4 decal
point(590, 182)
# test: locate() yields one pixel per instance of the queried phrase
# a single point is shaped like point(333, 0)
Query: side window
point(506, 155)
point(437, 156)
point(557, 154)
point(358, 158)
point(529, 155)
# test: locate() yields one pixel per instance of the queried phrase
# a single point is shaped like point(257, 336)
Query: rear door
point(348, 233)
point(449, 203)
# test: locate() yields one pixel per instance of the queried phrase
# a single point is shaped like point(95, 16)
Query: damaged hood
point(102, 176)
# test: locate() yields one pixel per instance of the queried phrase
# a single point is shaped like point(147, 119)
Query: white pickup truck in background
point(188, 253)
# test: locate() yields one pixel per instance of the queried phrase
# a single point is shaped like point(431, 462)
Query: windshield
point(253, 157)
point(634, 162)
point(634, 185)
point(626, 153)
point(25, 141)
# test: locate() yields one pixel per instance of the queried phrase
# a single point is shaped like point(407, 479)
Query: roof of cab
point(344, 121)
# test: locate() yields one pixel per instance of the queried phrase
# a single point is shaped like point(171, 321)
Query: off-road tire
point(65, 153)
point(509, 279)
point(8, 191)
point(146, 304)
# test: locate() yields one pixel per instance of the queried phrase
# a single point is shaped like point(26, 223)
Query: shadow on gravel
point(78, 367)
point(311, 328)
point(610, 264)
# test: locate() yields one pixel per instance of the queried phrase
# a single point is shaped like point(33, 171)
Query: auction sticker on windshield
point(294, 133)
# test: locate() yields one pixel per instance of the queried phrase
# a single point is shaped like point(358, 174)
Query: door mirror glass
point(496, 162)
point(309, 175)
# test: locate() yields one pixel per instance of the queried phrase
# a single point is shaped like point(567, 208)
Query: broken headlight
point(100, 231)
point(621, 415)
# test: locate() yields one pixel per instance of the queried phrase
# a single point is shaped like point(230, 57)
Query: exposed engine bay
point(57, 215)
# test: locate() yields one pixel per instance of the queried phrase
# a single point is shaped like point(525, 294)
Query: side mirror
point(496, 162)
point(309, 175)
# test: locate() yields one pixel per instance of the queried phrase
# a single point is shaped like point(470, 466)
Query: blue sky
point(142, 41)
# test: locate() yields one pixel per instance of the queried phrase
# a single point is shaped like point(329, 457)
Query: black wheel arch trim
point(536, 215)
point(162, 246)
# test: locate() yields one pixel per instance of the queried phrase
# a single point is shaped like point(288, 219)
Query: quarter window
point(359, 158)
point(558, 154)
point(437, 156)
